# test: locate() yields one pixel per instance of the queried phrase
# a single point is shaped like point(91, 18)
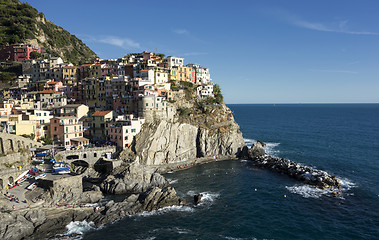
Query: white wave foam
point(308, 191)
point(79, 227)
point(234, 238)
point(346, 184)
point(166, 210)
point(249, 142)
point(209, 197)
point(172, 181)
point(269, 148)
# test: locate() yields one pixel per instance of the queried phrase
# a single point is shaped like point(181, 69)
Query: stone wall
point(89, 155)
point(10, 143)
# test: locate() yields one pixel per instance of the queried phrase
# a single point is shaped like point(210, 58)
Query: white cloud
point(125, 43)
point(339, 27)
point(181, 31)
point(333, 71)
point(332, 26)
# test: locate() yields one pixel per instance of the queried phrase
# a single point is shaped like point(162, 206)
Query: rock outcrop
point(133, 179)
point(183, 139)
point(47, 222)
point(153, 199)
point(298, 171)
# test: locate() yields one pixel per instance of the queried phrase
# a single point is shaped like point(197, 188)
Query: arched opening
point(103, 166)
point(10, 145)
point(84, 155)
point(10, 180)
point(79, 166)
point(1, 184)
point(72, 157)
point(2, 146)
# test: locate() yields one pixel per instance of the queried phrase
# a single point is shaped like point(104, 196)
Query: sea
point(242, 201)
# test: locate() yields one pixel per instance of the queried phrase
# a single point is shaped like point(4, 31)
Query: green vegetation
point(184, 112)
point(8, 72)
point(31, 136)
point(47, 140)
point(217, 92)
point(35, 55)
point(20, 22)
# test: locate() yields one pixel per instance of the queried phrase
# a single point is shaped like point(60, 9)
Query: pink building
point(18, 52)
point(67, 131)
point(122, 132)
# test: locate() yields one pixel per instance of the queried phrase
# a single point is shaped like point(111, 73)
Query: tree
point(35, 55)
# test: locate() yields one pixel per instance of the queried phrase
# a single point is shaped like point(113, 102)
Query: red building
point(18, 52)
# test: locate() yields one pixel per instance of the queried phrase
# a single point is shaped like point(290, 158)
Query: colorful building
point(18, 52)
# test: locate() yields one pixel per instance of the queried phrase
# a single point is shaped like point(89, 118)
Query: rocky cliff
point(199, 130)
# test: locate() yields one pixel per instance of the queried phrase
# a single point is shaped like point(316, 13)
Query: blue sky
point(267, 51)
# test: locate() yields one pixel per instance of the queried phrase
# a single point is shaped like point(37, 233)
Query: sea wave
point(166, 210)
point(206, 199)
point(172, 181)
point(308, 191)
point(79, 228)
point(270, 147)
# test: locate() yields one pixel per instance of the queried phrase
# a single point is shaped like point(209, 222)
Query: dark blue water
point(245, 202)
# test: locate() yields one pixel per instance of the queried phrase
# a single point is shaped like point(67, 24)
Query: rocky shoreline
point(306, 174)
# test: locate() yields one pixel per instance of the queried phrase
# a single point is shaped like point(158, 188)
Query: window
point(126, 131)
point(126, 138)
point(84, 155)
point(133, 130)
point(94, 154)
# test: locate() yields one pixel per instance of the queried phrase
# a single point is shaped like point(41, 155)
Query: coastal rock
point(134, 179)
point(153, 199)
point(257, 150)
point(197, 198)
point(167, 142)
point(14, 226)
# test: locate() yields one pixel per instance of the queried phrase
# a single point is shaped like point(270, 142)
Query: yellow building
point(69, 75)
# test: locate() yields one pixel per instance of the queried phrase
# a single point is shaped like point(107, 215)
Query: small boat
point(43, 175)
point(32, 186)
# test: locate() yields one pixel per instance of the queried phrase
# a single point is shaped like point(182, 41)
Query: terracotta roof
point(70, 67)
point(49, 91)
point(101, 113)
point(86, 65)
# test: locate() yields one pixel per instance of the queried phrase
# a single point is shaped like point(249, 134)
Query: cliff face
point(203, 131)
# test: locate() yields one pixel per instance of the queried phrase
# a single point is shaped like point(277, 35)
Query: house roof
point(49, 91)
point(101, 113)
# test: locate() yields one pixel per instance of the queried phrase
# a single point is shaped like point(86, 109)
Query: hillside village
point(97, 103)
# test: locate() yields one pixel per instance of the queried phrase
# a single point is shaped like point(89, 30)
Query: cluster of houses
point(106, 100)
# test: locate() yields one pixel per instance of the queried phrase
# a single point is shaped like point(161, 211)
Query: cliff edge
point(199, 129)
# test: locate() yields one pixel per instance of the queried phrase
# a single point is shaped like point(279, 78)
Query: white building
point(174, 62)
point(161, 76)
point(146, 75)
point(123, 131)
point(205, 91)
